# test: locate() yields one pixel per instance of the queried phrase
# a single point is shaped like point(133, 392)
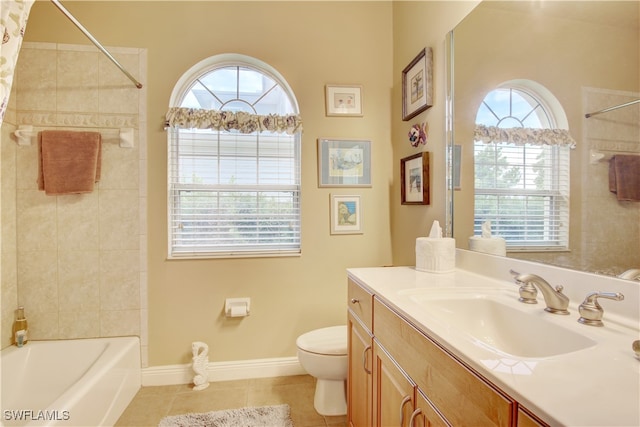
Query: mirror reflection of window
point(523, 187)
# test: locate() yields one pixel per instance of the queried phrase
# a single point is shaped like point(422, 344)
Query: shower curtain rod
point(95, 42)
point(615, 107)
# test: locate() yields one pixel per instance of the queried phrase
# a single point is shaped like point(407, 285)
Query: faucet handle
point(528, 292)
point(591, 312)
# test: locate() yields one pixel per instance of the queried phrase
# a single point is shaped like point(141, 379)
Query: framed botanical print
point(417, 85)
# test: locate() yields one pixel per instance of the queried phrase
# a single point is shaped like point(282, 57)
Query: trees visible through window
point(521, 180)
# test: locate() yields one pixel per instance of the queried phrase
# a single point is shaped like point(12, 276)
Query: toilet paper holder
point(237, 307)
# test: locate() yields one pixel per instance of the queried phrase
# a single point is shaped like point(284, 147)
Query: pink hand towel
point(624, 177)
point(69, 162)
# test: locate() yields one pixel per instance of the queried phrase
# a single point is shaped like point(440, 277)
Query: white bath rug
point(264, 416)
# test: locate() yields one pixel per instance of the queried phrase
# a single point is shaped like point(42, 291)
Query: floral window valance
point(521, 136)
point(195, 118)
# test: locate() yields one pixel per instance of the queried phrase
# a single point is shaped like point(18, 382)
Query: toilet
point(323, 354)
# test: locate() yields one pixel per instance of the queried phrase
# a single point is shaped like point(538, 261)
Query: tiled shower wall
point(611, 229)
point(76, 262)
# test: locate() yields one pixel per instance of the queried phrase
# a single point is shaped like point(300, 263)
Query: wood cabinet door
point(525, 419)
point(425, 414)
point(359, 380)
point(393, 391)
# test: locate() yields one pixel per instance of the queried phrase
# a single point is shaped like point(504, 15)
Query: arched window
point(234, 161)
point(521, 158)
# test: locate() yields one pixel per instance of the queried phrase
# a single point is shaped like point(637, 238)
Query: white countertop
point(596, 386)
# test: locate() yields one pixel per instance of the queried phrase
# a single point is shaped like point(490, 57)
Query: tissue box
point(436, 255)
point(488, 245)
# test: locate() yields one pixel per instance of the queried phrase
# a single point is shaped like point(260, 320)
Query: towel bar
point(597, 156)
point(24, 133)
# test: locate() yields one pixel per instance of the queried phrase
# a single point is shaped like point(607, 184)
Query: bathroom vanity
point(460, 349)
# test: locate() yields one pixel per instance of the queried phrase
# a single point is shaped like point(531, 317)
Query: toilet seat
point(331, 341)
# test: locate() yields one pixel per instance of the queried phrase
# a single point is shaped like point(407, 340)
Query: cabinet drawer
point(360, 303)
point(460, 395)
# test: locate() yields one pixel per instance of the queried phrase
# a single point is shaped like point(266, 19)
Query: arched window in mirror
point(522, 175)
point(233, 162)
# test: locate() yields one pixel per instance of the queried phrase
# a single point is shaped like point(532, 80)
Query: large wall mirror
point(547, 64)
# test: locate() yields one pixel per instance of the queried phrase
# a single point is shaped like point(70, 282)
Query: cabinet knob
point(354, 300)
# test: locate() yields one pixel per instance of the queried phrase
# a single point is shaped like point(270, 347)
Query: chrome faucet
point(591, 312)
point(556, 301)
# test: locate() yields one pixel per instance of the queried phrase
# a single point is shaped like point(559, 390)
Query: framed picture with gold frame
point(414, 179)
point(343, 100)
point(417, 85)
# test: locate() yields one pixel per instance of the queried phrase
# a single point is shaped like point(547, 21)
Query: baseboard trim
point(223, 371)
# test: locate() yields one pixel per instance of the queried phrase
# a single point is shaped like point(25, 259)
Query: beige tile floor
point(153, 403)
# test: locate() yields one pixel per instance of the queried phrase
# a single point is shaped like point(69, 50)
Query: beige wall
point(416, 25)
point(310, 44)
point(564, 55)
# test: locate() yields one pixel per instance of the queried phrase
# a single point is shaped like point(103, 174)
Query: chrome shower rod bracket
point(95, 42)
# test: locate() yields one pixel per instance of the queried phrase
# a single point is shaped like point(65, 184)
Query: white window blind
point(523, 191)
point(233, 194)
point(521, 169)
point(233, 162)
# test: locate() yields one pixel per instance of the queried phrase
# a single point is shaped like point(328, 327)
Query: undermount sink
point(497, 326)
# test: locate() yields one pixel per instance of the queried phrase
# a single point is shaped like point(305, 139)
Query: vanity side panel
point(459, 394)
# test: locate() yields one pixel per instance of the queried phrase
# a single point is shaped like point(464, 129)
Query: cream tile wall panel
point(10, 113)
point(36, 221)
point(79, 280)
point(77, 221)
point(9, 300)
point(78, 81)
point(119, 220)
point(76, 261)
point(8, 153)
point(27, 166)
point(121, 322)
point(119, 280)
point(8, 195)
point(143, 252)
point(79, 324)
point(121, 171)
point(117, 93)
point(37, 275)
point(36, 81)
point(42, 325)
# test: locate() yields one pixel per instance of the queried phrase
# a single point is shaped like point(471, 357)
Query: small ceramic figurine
point(419, 134)
point(200, 362)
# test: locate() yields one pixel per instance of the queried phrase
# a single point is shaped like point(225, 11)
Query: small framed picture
point(344, 163)
point(346, 214)
point(417, 85)
point(342, 100)
point(414, 179)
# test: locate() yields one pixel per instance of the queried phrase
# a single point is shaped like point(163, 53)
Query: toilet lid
point(331, 340)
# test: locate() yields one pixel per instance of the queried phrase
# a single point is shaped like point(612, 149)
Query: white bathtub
point(84, 382)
